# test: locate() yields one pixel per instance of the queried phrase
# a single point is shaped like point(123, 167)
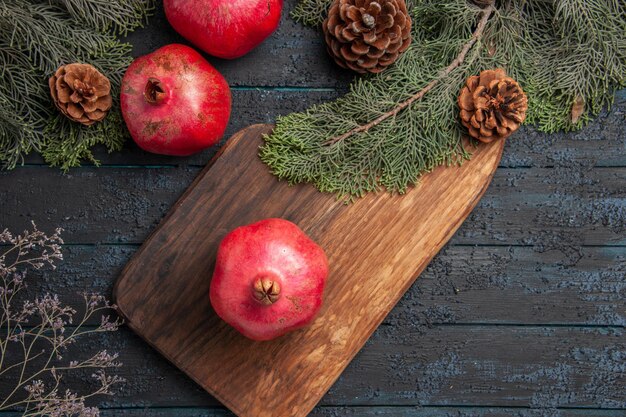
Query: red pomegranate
point(224, 28)
point(268, 280)
point(174, 102)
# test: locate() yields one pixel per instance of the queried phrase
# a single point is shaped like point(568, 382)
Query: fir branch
point(311, 12)
point(477, 35)
point(568, 55)
point(116, 17)
point(35, 39)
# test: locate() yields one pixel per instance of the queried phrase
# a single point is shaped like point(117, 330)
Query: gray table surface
point(522, 314)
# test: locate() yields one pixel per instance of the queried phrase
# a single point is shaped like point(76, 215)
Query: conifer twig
point(478, 33)
point(556, 50)
point(36, 38)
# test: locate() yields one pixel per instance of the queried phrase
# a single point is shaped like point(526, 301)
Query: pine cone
point(367, 35)
point(81, 92)
point(493, 106)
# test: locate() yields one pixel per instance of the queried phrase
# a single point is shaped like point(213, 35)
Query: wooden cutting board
point(376, 249)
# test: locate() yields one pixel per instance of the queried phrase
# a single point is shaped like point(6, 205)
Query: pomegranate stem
point(266, 291)
point(154, 93)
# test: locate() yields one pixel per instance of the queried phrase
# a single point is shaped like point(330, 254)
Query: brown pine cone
point(493, 106)
point(81, 92)
point(367, 35)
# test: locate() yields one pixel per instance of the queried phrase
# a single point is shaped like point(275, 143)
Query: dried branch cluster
point(36, 334)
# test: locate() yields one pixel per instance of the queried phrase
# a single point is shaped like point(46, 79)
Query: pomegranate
point(268, 280)
point(224, 28)
point(174, 102)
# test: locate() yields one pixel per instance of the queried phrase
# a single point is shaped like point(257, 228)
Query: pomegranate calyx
point(155, 92)
point(266, 291)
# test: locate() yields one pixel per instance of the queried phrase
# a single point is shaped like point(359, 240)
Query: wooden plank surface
point(169, 275)
point(563, 270)
point(463, 365)
point(554, 208)
point(370, 412)
point(386, 412)
point(463, 285)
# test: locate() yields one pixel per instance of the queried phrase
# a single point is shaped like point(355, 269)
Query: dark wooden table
point(522, 314)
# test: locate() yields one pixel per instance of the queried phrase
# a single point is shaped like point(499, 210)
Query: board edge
point(235, 138)
point(418, 271)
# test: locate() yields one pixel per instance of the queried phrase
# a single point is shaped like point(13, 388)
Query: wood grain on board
point(376, 248)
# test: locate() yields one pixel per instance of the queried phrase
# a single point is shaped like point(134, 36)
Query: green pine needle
point(557, 49)
point(35, 39)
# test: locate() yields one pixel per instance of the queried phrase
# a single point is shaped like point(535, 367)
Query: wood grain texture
point(462, 285)
point(558, 209)
point(557, 199)
point(413, 365)
point(386, 412)
point(170, 274)
point(368, 412)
